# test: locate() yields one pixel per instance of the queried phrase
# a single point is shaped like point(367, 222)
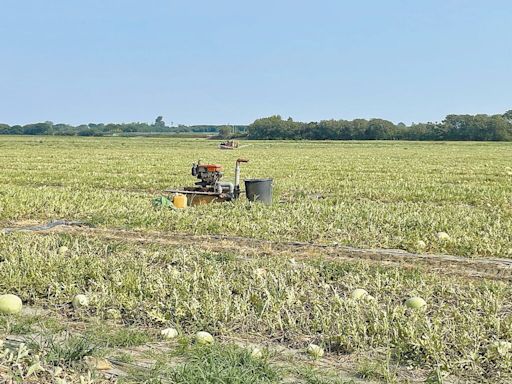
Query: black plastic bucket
point(259, 190)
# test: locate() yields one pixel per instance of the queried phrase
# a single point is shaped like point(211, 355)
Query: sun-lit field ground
point(387, 195)
point(365, 194)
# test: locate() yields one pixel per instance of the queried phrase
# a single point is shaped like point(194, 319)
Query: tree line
point(95, 129)
point(454, 127)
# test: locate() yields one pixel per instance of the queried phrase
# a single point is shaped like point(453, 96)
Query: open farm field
point(364, 194)
point(265, 281)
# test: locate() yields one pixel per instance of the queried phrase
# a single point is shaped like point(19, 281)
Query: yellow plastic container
point(180, 200)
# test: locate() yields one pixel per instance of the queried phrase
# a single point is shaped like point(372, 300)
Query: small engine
point(208, 174)
point(210, 187)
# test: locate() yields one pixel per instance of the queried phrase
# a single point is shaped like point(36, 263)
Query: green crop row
point(272, 298)
point(365, 194)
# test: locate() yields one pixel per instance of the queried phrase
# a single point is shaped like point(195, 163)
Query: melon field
point(398, 220)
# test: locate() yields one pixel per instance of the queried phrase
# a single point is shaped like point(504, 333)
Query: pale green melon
point(204, 338)
point(114, 314)
point(358, 293)
point(169, 333)
point(315, 351)
point(256, 353)
point(501, 348)
point(416, 303)
point(80, 301)
point(443, 236)
point(420, 244)
point(10, 304)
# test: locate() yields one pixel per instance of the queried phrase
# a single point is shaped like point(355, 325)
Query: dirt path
point(491, 268)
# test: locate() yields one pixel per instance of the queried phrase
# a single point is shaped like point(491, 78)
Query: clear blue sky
point(222, 62)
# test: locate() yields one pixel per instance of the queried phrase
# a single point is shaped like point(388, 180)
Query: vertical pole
point(237, 175)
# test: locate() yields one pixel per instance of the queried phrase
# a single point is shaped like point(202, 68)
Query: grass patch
point(122, 357)
point(63, 349)
point(321, 376)
point(213, 364)
point(376, 369)
point(18, 324)
point(117, 337)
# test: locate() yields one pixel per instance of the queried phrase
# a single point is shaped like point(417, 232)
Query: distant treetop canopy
point(453, 127)
point(94, 129)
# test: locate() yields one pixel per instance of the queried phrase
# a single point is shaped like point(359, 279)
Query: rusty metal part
point(197, 197)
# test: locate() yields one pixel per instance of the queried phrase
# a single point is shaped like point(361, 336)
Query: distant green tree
point(359, 128)
point(37, 129)
point(508, 115)
point(159, 123)
point(454, 127)
point(379, 129)
point(225, 131)
point(4, 129)
point(16, 130)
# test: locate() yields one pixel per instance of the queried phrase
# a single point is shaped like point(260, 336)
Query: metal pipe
point(227, 185)
point(237, 172)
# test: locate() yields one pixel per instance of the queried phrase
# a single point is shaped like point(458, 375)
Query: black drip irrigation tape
point(44, 227)
point(493, 268)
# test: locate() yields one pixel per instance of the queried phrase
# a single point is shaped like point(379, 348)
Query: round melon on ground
point(443, 236)
point(169, 333)
point(256, 353)
point(416, 303)
point(10, 304)
point(358, 293)
point(420, 244)
point(204, 338)
point(315, 351)
point(80, 301)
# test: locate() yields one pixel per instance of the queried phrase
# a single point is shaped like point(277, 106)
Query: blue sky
point(219, 62)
